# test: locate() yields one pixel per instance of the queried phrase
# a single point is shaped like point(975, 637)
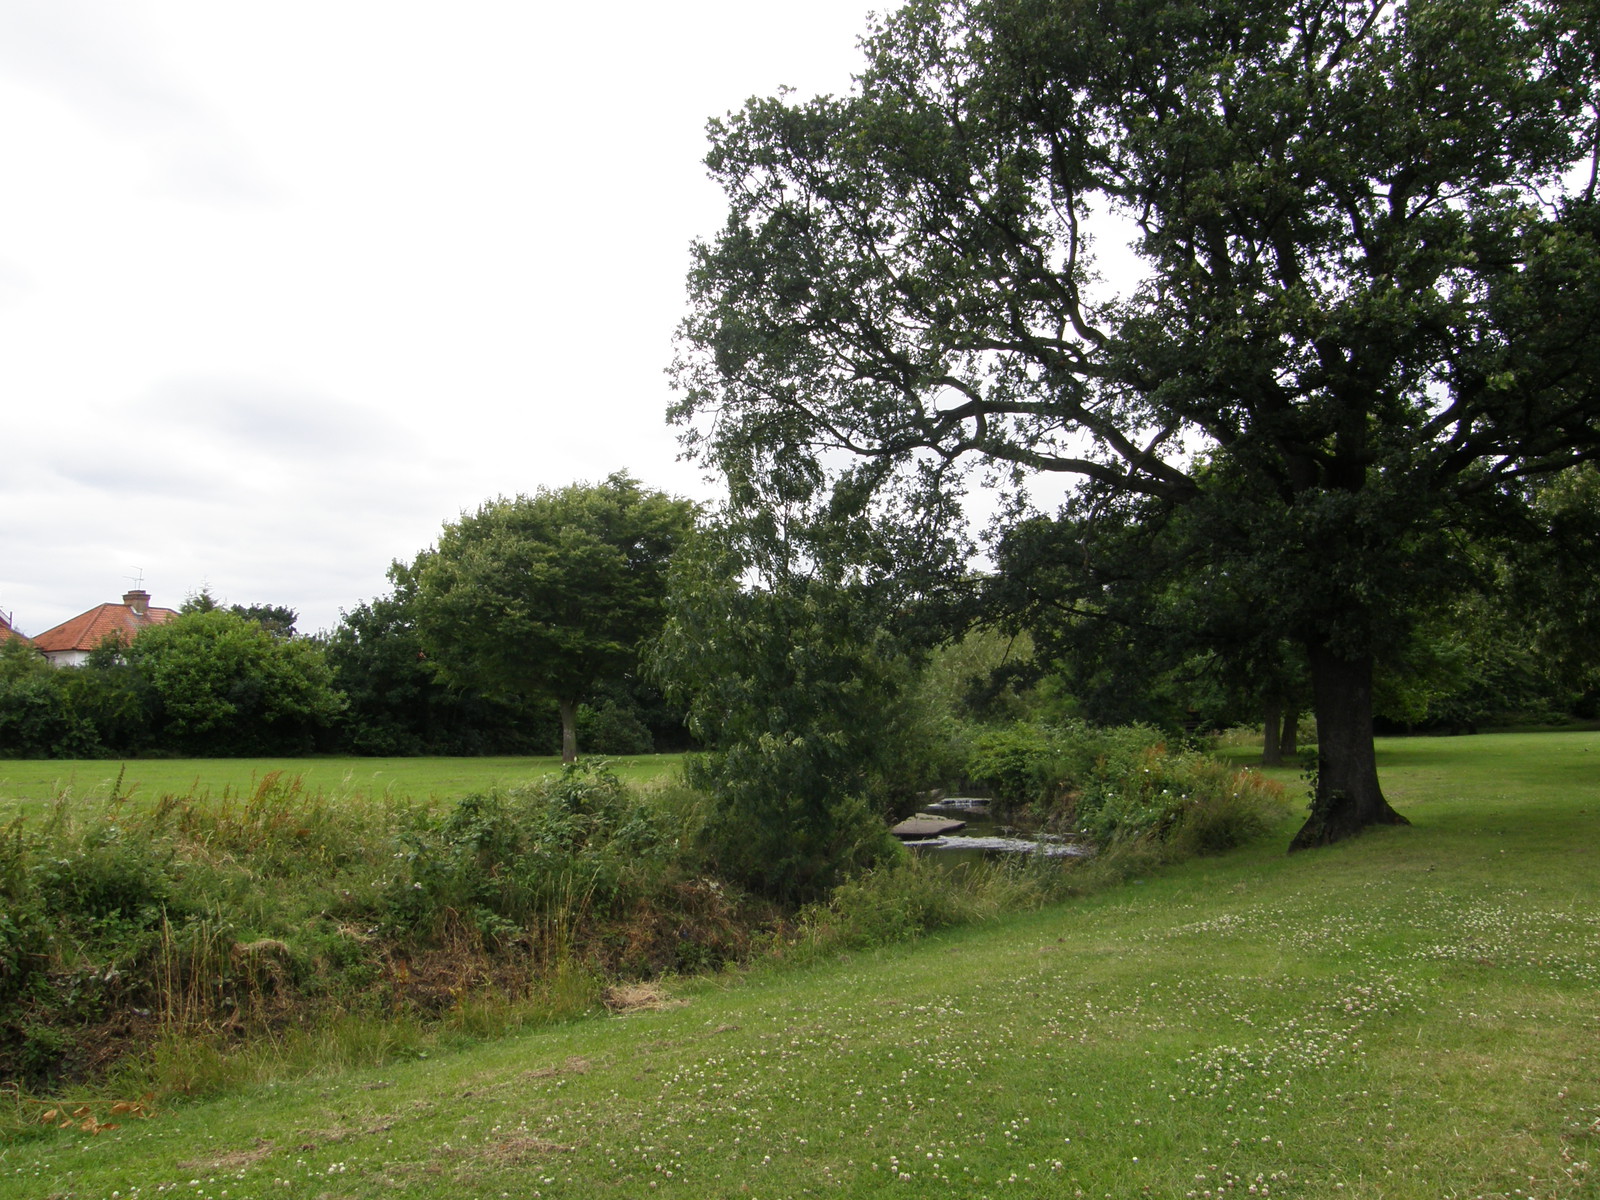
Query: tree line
point(621, 620)
point(520, 632)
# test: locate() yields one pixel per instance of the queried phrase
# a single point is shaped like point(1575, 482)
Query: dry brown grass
point(625, 998)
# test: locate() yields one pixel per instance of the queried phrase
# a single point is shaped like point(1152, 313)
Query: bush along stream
point(172, 945)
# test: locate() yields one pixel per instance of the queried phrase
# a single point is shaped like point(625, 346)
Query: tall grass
point(210, 929)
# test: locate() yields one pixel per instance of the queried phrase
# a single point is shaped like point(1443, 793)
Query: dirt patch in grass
point(573, 1066)
point(467, 1163)
point(312, 1139)
point(233, 1160)
point(519, 1148)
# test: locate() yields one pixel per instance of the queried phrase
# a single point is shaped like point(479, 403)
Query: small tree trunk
point(569, 730)
point(1271, 748)
point(1348, 798)
point(1289, 743)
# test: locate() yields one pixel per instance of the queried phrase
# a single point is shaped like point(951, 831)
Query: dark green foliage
point(222, 684)
point(613, 728)
point(1554, 577)
point(803, 699)
point(277, 619)
point(23, 931)
point(395, 703)
point(115, 698)
point(37, 720)
point(37, 715)
point(210, 682)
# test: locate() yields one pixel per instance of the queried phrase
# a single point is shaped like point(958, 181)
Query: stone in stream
point(924, 826)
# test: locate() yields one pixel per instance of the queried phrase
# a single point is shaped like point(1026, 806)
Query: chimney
point(138, 600)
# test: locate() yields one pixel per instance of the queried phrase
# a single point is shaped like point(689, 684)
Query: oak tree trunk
point(569, 730)
point(1348, 798)
point(1271, 748)
point(1289, 743)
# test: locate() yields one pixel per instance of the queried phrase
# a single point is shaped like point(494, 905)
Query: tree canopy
point(545, 595)
point(219, 682)
point(1359, 311)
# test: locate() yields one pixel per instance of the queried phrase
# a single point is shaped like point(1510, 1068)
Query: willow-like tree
point(1363, 285)
point(546, 595)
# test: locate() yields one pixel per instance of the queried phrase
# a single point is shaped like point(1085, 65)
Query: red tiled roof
point(7, 633)
point(87, 630)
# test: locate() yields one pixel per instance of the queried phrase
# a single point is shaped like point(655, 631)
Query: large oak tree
point(1365, 298)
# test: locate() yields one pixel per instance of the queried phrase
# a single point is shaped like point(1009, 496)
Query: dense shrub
point(222, 917)
point(223, 684)
point(37, 716)
point(1119, 785)
point(804, 700)
point(1185, 800)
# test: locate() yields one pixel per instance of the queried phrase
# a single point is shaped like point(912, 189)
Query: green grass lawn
point(25, 784)
point(1415, 1014)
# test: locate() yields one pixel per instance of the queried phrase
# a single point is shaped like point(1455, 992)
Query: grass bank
point(1413, 1014)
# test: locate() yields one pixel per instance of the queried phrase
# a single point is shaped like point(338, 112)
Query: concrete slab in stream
point(924, 826)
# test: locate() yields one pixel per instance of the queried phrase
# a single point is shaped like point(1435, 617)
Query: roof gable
point(87, 630)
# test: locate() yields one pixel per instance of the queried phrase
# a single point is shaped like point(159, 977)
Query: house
point(69, 643)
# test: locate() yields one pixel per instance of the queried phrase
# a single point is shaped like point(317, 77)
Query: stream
point(984, 837)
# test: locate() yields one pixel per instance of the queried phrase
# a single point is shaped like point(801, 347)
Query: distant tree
point(201, 601)
point(37, 718)
point(1553, 577)
point(1151, 613)
point(277, 619)
point(544, 596)
point(19, 660)
point(114, 697)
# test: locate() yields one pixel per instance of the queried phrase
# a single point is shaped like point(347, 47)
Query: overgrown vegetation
point(186, 920)
point(1114, 787)
point(229, 919)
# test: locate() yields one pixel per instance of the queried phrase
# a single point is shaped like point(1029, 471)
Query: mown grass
point(1412, 1014)
point(26, 785)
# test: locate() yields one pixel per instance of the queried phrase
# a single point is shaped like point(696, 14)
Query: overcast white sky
point(285, 286)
